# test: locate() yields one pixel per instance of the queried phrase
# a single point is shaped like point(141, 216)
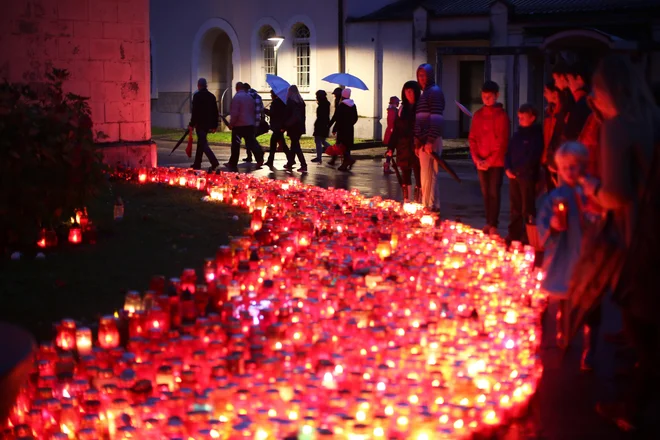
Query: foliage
point(49, 164)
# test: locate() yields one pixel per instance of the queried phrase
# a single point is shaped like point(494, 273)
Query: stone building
point(105, 46)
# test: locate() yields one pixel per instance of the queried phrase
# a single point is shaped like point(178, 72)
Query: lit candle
point(75, 234)
point(84, 341)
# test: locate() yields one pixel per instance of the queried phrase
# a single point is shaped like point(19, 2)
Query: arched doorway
point(216, 57)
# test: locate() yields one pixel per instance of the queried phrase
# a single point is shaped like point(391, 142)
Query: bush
point(49, 164)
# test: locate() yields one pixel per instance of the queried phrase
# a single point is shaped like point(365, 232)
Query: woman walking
point(294, 126)
point(346, 117)
point(277, 114)
point(402, 140)
point(321, 125)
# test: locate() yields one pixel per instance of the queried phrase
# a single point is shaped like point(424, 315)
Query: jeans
point(429, 175)
point(203, 147)
point(522, 197)
point(321, 144)
point(245, 132)
point(249, 153)
point(296, 150)
point(275, 139)
point(490, 181)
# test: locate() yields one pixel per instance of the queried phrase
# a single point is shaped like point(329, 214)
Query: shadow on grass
point(164, 230)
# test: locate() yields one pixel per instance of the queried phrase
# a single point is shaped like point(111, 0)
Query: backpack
point(262, 125)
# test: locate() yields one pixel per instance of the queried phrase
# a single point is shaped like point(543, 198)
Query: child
point(392, 111)
point(489, 137)
point(522, 164)
point(561, 221)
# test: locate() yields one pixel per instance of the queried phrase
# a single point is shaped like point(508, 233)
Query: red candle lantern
point(256, 223)
point(75, 234)
point(66, 335)
point(108, 333)
point(84, 220)
point(142, 175)
point(41, 242)
point(83, 341)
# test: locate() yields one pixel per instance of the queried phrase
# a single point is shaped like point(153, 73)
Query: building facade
point(105, 47)
point(513, 42)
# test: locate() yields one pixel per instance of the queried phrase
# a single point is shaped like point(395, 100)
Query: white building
point(514, 42)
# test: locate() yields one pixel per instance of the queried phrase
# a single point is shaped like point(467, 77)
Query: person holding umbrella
point(428, 135)
point(402, 140)
point(204, 119)
point(347, 117)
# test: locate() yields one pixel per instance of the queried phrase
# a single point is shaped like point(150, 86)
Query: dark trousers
point(411, 169)
point(203, 147)
point(249, 153)
point(490, 181)
point(522, 197)
point(347, 142)
point(246, 132)
point(275, 139)
point(296, 151)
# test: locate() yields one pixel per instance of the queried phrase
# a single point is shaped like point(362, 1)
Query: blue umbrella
point(346, 80)
point(278, 85)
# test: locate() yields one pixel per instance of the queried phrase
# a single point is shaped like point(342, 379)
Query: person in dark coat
point(576, 76)
point(522, 164)
point(277, 114)
point(321, 125)
point(402, 140)
point(346, 117)
point(337, 94)
point(553, 127)
point(204, 119)
point(294, 125)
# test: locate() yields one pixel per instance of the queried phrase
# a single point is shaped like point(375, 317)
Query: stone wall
point(105, 46)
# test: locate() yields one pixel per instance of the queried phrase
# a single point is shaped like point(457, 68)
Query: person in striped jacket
point(428, 135)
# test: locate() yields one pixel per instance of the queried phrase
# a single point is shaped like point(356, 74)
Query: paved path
point(566, 396)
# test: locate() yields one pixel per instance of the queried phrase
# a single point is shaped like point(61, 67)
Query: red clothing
point(489, 135)
point(549, 124)
point(590, 137)
point(391, 119)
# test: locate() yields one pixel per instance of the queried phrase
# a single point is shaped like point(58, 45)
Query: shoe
point(212, 168)
point(346, 165)
point(269, 164)
point(617, 413)
point(195, 167)
point(247, 160)
point(288, 167)
point(230, 167)
point(486, 229)
point(260, 163)
point(302, 170)
point(316, 160)
point(333, 161)
point(387, 169)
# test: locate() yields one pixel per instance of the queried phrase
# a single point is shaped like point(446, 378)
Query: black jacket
point(204, 111)
point(577, 117)
point(322, 123)
point(277, 114)
point(294, 123)
point(346, 116)
point(523, 157)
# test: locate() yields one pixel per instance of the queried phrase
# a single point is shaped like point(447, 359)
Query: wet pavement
point(566, 396)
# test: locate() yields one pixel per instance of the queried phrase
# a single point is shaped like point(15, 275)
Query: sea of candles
point(333, 316)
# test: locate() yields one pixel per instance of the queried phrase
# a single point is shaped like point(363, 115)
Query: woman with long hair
point(294, 126)
point(402, 141)
point(627, 138)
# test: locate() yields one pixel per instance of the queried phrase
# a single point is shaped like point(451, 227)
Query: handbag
point(263, 126)
point(335, 150)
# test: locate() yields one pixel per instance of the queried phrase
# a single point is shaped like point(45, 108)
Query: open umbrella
point(346, 80)
point(278, 85)
point(463, 109)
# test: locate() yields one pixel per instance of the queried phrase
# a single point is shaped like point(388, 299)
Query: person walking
point(392, 112)
point(241, 122)
point(258, 116)
point(428, 135)
point(294, 125)
point(489, 138)
point(204, 120)
point(337, 94)
point(402, 140)
point(321, 125)
point(277, 114)
point(346, 118)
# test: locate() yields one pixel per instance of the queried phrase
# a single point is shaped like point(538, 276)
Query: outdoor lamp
point(278, 42)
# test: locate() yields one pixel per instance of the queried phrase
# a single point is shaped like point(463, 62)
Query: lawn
point(224, 137)
point(164, 230)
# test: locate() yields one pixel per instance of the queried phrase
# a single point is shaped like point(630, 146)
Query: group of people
point(247, 121)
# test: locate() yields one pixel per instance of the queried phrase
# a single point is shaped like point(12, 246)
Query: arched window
point(301, 46)
point(267, 52)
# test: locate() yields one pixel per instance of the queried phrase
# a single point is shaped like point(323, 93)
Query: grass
point(224, 137)
point(164, 230)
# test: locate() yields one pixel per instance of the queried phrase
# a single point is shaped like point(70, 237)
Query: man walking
point(242, 123)
point(428, 135)
point(204, 119)
point(258, 111)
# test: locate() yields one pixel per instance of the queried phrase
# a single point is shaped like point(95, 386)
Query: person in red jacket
point(489, 138)
point(392, 110)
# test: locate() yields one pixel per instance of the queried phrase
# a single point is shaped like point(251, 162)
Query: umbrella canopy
point(463, 109)
point(278, 85)
point(346, 80)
